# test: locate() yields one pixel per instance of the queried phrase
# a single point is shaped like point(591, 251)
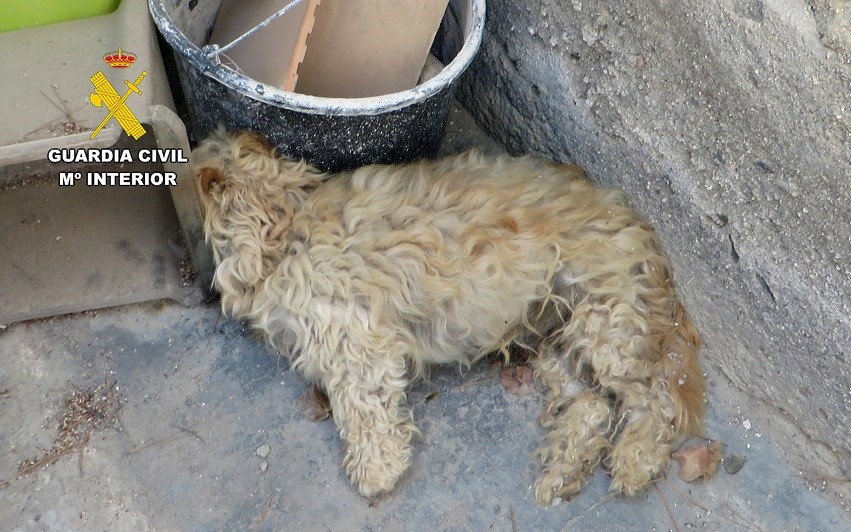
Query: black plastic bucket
point(331, 133)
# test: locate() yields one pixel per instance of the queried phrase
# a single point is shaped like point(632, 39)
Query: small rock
point(264, 466)
point(263, 451)
point(747, 424)
point(733, 463)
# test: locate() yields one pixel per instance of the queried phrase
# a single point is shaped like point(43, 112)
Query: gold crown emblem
point(119, 59)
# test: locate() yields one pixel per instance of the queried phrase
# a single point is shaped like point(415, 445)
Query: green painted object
point(19, 14)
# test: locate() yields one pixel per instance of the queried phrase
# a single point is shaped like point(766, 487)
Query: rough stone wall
point(728, 124)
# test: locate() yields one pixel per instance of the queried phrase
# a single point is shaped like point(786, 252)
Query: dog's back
point(459, 249)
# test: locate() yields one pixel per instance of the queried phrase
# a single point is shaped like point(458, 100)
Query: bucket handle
point(214, 50)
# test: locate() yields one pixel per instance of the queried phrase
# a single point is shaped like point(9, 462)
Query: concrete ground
point(201, 396)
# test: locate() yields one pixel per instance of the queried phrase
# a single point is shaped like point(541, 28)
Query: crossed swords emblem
point(105, 94)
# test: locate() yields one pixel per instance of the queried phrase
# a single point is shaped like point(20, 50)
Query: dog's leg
point(660, 401)
point(576, 433)
point(629, 331)
point(365, 378)
point(608, 339)
point(622, 329)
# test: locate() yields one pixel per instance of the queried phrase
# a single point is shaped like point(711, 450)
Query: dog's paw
point(377, 460)
point(552, 486)
point(378, 483)
point(568, 456)
point(634, 464)
point(566, 467)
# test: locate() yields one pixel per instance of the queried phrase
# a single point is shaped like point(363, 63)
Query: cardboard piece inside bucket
point(368, 47)
point(271, 55)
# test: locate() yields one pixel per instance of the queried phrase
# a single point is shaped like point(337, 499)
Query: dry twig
point(213, 330)
point(187, 430)
point(570, 524)
point(182, 431)
point(263, 513)
point(667, 509)
point(33, 465)
point(469, 383)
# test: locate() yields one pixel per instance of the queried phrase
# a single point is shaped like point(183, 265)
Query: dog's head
point(250, 195)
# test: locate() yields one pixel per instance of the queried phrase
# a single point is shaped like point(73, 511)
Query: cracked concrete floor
point(201, 396)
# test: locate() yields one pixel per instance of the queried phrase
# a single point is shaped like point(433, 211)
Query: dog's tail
point(684, 375)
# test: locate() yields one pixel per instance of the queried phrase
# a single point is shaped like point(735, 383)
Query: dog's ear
point(207, 176)
point(253, 142)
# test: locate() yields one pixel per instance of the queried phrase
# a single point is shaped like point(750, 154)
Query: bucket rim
point(305, 103)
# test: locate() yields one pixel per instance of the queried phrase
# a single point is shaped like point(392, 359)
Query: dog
point(363, 278)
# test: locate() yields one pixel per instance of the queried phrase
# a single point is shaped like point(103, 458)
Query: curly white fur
point(362, 278)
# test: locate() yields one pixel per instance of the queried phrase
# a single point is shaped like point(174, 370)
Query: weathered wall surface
point(728, 124)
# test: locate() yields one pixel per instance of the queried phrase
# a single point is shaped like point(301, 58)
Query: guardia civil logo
point(105, 95)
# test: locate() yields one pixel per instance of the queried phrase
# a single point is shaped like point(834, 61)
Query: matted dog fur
point(362, 278)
